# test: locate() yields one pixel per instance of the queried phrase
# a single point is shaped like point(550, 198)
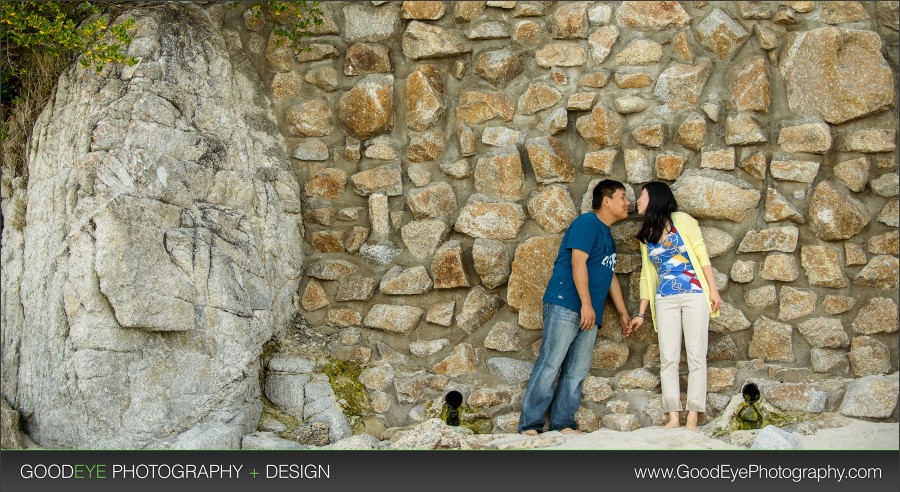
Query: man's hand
point(588, 317)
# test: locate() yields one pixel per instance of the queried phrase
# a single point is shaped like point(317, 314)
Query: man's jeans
point(566, 351)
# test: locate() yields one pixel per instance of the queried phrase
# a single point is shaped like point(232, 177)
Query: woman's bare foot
point(674, 422)
point(691, 423)
point(530, 433)
point(571, 431)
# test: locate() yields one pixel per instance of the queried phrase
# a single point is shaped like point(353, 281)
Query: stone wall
point(445, 147)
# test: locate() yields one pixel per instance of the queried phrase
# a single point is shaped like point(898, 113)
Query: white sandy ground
point(853, 434)
point(836, 432)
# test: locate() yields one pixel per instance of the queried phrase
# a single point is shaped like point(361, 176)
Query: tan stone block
point(821, 70)
point(854, 254)
point(366, 58)
point(796, 303)
point(460, 361)
point(500, 175)
point(552, 208)
point(367, 110)
point(423, 10)
point(325, 182)
point(565, 54)
point(482, 217)
point(837, 304)
point(771, 341)
point(531, 269)
point(749, 86)
point(314, 297)
point(447, 267)
point(600, 161)
point(881, 272)
point(691, 132)
point(609, 355)
point(878, 316)
point(602, 128)
point(833, 215)
point(823, 268)
point(424, 98)
point(327, 241)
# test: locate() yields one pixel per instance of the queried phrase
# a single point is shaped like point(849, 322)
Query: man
point(573, 306)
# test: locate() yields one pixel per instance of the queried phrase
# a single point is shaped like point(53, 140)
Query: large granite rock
point(808, 135)
point(771, 340)
point(715, 195)
point(552, 208)
point(179, 241)
point(478, 308)
point(366, 110)
point(499, 67)
point(836, 74)
point(880, 272)
point(834, 215)
point(393, 318)
point(871, 396)
point(879, 315)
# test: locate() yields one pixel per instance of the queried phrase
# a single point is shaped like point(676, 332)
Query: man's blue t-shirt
point(589, 234)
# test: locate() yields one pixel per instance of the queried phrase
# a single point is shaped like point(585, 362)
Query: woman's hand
point(716, 300)
point(636, 323)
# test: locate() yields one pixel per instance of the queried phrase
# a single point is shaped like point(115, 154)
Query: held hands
point(588, 317)
point(625, 320)
point(635, 323)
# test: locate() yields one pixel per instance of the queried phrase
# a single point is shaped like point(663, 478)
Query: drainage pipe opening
point(751, 393)
point(452, 401)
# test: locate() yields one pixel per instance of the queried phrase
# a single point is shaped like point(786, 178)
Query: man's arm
point(615, 293)
point(580, 276)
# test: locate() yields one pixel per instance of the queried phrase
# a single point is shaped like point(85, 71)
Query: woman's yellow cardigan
point(696, 249)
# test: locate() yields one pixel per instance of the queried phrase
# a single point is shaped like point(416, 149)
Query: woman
point(677, 283)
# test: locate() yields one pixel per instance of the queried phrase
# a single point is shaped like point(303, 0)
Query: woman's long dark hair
point(659, 211)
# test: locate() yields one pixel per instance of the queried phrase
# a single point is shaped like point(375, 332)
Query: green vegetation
point(292, 19)
point(351, 394)
point(748, 417)
point(271, 411)
point(39, 39)
point(37, 42)
point(58, 29)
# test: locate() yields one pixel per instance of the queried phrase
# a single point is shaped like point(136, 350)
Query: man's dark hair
point(605, 188)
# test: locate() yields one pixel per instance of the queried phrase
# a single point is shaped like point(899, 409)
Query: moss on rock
point(351, 394)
